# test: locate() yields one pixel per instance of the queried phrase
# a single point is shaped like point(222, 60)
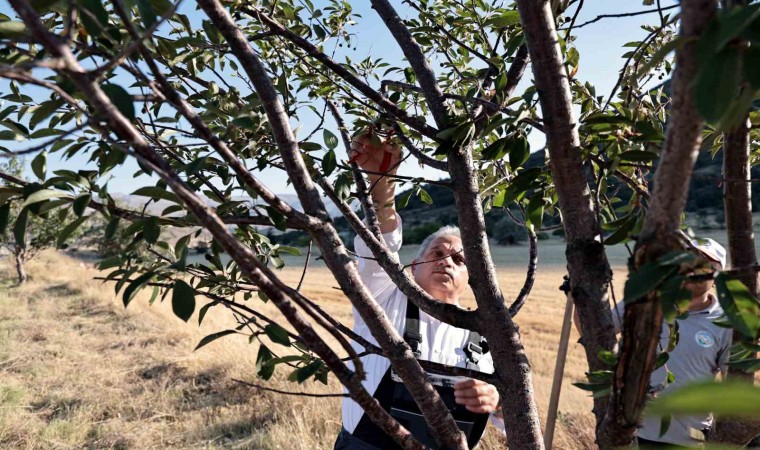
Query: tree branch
point(392, 109)
point(588, 267)
point(659, 235)
point(417, 60)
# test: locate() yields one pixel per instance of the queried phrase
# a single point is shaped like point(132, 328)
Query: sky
point(599, 44)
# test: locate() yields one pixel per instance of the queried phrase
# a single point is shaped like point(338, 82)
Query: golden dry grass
point(77, 370)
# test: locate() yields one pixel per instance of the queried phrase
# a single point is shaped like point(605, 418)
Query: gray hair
point(447, 230)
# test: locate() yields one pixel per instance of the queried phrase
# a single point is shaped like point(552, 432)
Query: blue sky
point(599, 44)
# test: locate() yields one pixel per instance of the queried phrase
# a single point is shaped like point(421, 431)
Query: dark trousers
point(645, 444)
point(346, 441)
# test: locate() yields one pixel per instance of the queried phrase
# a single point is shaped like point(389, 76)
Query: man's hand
point(477, 396)
point(378, 157)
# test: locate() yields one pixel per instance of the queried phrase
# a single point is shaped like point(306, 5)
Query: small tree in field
point(30, 231)
point(208, 108)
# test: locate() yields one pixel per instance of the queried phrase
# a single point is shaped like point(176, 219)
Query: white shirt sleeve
point(375, 278)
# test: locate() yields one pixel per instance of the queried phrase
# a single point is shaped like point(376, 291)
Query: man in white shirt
point(441, 271)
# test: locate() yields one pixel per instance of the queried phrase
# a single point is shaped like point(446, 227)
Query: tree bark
point(737, 201)
point(18, 255)
point(587, 262)
point(441, 423)
point(642, 321)
point(514, 379)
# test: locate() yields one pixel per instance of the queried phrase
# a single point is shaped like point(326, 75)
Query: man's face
point(699, 288)
point(441, 271)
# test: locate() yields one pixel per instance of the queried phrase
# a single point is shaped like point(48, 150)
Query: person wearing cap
point(441, 271)
point(701, 353)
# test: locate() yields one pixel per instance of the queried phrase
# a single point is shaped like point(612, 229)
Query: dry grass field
point(77, 370)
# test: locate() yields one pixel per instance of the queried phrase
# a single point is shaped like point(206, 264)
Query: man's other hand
point(477, 396)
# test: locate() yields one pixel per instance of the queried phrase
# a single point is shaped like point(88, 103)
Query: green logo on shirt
point(704, 339)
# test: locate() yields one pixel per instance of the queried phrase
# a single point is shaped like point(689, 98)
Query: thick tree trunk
point(18, 255)
point(586, 260)
point(514, 379)
point(737, 201)
point(643, 319)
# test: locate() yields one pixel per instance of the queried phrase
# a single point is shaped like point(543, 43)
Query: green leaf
point(289, 250)
point(717, 85)
point(277, 334)
point(136, 285)
point(43, 112)
point(156, 192)
point(39, 165)
point(8, 135)
point(5, 217)
point(519, 151)
point(665, 424)
point(121, 99)
point(111, 228)
point(746, 365)
point(660, 55)
point(728, 399)
point(622, 233)
point(329, 163)
point(146, 12)
point(245, 122)
point(278, 219)
point(425, 197)
point(536, 210)
point(662, 358)
point(183, 300)
point(739, 305)
point(19, 228)
point(263, 369)
point(42, 195)
point(639, 156)
point(153, 295)
point(645, 280)
point(202, 312)
point(113, 261)
point(212, 337)
point(506, 19)
point(69, 229)
point(331, 141)
point(496, 150)
point(608, 357)
point(80, 204)
point(151, 230)
point(404, 199)
point(12, 30)
point(94, 17)
point(212, 32)
point(304, 373)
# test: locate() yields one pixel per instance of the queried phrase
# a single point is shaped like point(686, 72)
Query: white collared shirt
point(442, 343)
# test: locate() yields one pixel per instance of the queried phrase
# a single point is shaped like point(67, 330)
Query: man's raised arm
point(379, 159)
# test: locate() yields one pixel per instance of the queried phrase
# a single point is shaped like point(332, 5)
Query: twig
point(278, 391)
point(393, 109)
point(305, 267)
point(630, 14)
point(530, 277)
point(45, 144)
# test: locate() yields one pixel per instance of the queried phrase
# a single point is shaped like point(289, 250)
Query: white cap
point(711, 249)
